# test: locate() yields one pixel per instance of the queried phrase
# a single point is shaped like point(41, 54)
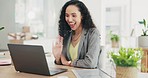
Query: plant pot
point(143, 41)
point(126, 72)
point(115, 44)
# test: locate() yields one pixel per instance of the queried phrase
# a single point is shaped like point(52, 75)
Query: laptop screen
point(29, 58)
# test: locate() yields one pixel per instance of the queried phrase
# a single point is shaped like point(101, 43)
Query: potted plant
point(126, 61)
point(114, 39)
point(143, 39)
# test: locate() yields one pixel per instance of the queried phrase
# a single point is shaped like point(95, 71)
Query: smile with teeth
point(72, 25)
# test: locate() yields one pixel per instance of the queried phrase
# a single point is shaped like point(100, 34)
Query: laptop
point(31, 59)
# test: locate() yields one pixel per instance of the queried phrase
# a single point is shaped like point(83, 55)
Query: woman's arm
point(64, 61)
point(57, 49)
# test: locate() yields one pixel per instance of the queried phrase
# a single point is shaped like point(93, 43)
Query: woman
point(78, 44)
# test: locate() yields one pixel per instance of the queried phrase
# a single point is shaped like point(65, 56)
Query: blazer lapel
point(68, 44)
point(81, 41)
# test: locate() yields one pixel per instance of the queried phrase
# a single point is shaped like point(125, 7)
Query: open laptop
point(31, 59)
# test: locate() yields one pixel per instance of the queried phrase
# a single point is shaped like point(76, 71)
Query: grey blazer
point(88, 50)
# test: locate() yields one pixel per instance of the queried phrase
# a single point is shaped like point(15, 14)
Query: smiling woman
point(78, 43)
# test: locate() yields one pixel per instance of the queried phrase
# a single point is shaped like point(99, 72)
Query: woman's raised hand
point(57, 48)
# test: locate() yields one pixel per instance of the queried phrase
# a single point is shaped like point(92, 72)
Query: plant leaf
point(144, 22)
point(1, 28)
point(140, 22)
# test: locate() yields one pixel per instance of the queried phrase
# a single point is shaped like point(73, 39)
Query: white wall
point(7, 8)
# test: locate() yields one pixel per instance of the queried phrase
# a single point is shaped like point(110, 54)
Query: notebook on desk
point(31, 59)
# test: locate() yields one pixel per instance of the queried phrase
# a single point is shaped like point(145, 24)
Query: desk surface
point(9, 72)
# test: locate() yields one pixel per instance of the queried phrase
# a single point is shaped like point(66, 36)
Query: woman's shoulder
point(93, 31)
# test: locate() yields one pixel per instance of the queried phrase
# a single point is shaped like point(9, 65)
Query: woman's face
point(73, 17)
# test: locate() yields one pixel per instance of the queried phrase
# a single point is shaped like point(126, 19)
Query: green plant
point(114, 37)
point(145, 27)
point(127, 57)
point(1, 28)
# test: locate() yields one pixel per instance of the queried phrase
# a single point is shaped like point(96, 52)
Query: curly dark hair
point(87, 22)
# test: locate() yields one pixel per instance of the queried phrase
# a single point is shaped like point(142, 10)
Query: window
point(30, 13)
point(40, 15)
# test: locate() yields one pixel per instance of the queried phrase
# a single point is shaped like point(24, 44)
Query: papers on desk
point(4, 62)
point(86, 73)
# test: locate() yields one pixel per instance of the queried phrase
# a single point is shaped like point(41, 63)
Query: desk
point(9, 72)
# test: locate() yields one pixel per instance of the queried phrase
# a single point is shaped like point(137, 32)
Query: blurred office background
point(41, 16)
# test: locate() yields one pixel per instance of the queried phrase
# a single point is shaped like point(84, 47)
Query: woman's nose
point(70, 19)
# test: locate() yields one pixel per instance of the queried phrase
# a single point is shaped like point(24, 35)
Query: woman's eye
point(73, 15)
point(66, 15)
